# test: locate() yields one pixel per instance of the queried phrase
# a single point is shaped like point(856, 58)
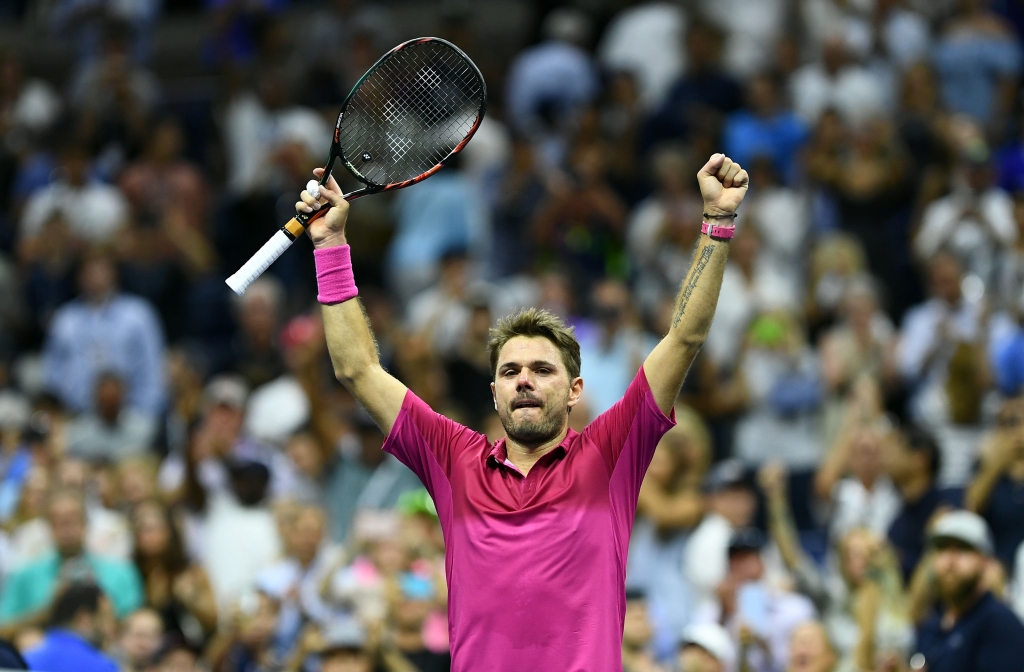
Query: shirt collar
point(499, 454)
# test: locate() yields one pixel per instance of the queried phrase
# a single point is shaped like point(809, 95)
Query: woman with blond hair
point(669, 507)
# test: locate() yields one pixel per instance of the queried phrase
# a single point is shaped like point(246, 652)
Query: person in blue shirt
point(105, 330)
point(765, 127)
point(80, 616)
point(973, 630)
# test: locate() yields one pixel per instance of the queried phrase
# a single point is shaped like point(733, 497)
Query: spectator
point(177, 590)
point(862, 344)
point(669, 507)
point(751, 32)
point(781, 216)
point(105, 330)
point(731, 505)
point(31, 588)
point(247, 645)
point(80, 619)
point(859, 595)
point(110, 431)
point(292, 578)
point(978, 61)
point(166, 189)
point(663, 228)
point(364, 477)
point(783, 376)
point(27, 106)
point(838, 83)
point(810, 650)
point(853, 480)
point(765, 128)
point(993, 492)
point(754, 286)
point(973, 222)
point(448, 215)
point(989, 635)
point(551, 82)
point(140, 639)
point(613, 350)
point(94, 211)
point(517, 193)
point(637, 635)
point(760, 617)
point(703, 96)
point(265, 131)
point(705, 647)
point(255, 350)
point(240, 536)
point(217, 439)
point(15, 454)
point(646, 39)
point(441, 313)
point(175, 656)
point(942, 360)
point(416, 598)
point(914, 462)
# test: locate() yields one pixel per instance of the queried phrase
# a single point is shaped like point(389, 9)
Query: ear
point(494, 397)
point(575, 391)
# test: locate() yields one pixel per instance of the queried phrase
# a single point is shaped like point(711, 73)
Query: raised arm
point(349, 339)
point(723, 185)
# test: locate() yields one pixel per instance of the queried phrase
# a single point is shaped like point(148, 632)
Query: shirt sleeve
point(630, 430)
point(427, 442)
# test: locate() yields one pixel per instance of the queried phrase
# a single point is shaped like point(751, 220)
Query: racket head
point(413, 110)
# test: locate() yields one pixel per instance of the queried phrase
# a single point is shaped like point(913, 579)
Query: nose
point(524, 381)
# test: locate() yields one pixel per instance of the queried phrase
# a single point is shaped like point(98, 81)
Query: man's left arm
point(723, 184)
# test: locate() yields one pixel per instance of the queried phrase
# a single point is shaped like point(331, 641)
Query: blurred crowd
point(184, 486)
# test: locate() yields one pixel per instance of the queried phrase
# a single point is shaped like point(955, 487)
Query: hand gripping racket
point(410, 114)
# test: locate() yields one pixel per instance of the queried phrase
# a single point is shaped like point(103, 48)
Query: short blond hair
point(532, 322)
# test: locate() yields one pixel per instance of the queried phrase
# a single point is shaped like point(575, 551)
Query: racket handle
point(259, 262)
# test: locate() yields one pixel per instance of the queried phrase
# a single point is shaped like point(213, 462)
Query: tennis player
point(537, 525)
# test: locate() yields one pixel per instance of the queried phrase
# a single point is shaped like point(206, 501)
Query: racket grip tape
point(263, 258)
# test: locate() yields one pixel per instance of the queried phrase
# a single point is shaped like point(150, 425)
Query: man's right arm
point(349, 339)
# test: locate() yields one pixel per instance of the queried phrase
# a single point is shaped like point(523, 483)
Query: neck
point(524, 455)
point(915, 486)
point(955, 611)
point(409, 639)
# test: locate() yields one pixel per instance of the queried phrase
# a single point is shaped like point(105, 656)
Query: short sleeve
point(427, 442)
point(630, 430)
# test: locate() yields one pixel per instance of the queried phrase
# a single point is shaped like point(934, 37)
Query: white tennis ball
point(313, 187)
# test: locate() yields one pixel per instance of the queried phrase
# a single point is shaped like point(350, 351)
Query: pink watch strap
point(716, 231)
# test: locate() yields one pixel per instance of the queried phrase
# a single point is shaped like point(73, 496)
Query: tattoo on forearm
point(691, 284)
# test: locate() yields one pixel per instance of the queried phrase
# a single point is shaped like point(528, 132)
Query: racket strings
point(411, 113)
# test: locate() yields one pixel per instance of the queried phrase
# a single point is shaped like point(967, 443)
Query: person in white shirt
point(948, 325)
point(731, 505)
point(93, 211)
point(974, 222)
point(836, 82)
point(854, 482)
point(758, 615)
point(647, 40)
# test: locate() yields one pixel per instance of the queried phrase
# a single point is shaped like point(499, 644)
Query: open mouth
point(525, 403)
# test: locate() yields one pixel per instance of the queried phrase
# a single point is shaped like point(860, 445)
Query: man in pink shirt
point(537, 525)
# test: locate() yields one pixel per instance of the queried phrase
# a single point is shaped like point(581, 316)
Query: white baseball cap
point(966, 527)
point(714, 639)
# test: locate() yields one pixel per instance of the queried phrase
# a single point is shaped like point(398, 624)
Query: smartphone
point(752, 606)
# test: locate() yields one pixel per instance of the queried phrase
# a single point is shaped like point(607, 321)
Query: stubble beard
point(529, 432)
point(957, 591)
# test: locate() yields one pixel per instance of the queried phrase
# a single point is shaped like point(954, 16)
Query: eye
point(543, 369)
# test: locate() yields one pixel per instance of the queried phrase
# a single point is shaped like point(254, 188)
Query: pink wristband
point(334, 278)
point(720, 232)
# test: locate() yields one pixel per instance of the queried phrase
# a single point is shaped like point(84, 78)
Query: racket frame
point(297, 225)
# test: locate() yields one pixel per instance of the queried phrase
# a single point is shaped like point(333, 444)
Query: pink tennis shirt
point(536, 565)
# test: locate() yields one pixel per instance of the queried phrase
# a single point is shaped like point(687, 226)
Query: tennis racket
point(414, 110)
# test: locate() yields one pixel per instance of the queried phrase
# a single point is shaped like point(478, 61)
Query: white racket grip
point(259, 262)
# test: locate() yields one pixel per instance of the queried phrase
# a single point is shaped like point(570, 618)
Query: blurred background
point(190, 453)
